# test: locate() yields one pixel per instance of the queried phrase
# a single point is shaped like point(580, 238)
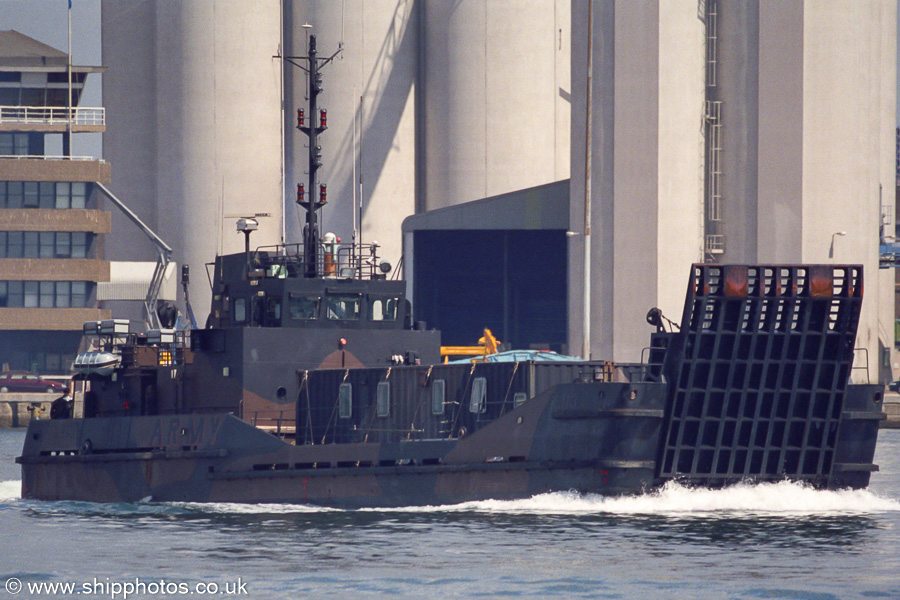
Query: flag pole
point(69, 72)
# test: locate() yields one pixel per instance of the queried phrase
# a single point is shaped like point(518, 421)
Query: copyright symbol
point(13, 585)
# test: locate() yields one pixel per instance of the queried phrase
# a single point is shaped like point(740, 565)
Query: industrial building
point(51, 226)
point(736, 132)
point(718, 131)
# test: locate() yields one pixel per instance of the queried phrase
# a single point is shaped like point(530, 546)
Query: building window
point(438, 391)
point(14, 191)
point(80, 243)
point(63, 194)
point(48, 294)
point(13, 144)
point(80, 294)
point(32, 96)
point(47, 244)
point(16, 244)
point(31, 294)
point(47, 195)
point(31, 195)
point(44, 294)
point(31, 241)
point(63, 244)
point(71, 195)
point(44, 244)
point(63, 294)
point(383, 399)
point(345, 400)
point(79, 194)
point(43, 194)
point(477, 402)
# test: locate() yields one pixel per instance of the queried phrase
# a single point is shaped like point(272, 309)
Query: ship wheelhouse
point(267, 288)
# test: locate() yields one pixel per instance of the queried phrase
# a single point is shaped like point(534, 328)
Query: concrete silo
point(646, 167)
point(736, 133)
point(808, 96)
point(369, 149)
point(496, 97)
point(193, 100)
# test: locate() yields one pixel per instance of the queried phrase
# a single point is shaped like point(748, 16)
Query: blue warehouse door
point(510, 281)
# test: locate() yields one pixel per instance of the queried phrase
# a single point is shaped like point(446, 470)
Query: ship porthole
point(87, 447)
point(281, 393)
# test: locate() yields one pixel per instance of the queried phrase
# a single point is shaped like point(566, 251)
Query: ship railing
point(861, 369)
point(351, 261)
point(606, 371)
point(274, 421)
point(640, 372)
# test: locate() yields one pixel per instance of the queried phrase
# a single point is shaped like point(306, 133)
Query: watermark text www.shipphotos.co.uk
point(125, 589)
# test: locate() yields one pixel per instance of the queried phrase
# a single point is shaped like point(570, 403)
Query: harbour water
point(779, 541)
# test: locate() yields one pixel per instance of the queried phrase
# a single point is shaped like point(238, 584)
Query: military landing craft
point(312, 384)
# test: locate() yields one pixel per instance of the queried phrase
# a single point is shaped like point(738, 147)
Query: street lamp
point(831, 248)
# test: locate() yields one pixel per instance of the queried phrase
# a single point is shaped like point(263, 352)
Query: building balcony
point(50, 319)
point(54, 269)
point(54, 168)
point(52, 219)
point(52, 118)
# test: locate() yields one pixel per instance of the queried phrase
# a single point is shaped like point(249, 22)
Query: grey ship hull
point(755, 386)
point(573, 437)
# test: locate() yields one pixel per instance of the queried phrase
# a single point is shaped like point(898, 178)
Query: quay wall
point(17, 410)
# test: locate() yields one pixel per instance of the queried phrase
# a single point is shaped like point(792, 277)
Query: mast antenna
point(313, 198)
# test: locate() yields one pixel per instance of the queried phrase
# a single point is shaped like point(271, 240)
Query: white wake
point(760, 499)
point(10, 490)
point(782, 498)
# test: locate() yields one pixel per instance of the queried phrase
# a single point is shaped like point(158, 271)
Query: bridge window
point(383, 309)
point(438, 390)
point(477, 402)
point(519, 399)
point(345, 400)
point(304, 308)
point(239, 310)
point(273, 312)
point(383, 399)
point(343, 308)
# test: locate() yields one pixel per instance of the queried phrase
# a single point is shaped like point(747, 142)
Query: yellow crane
point(487, 344)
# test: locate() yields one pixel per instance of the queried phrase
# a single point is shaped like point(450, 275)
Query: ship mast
point(309, 199)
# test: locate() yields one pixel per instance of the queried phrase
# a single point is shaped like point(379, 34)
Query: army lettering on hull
point(186, 430)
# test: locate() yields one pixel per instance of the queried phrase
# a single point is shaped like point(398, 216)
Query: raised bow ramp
point(759, 379)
